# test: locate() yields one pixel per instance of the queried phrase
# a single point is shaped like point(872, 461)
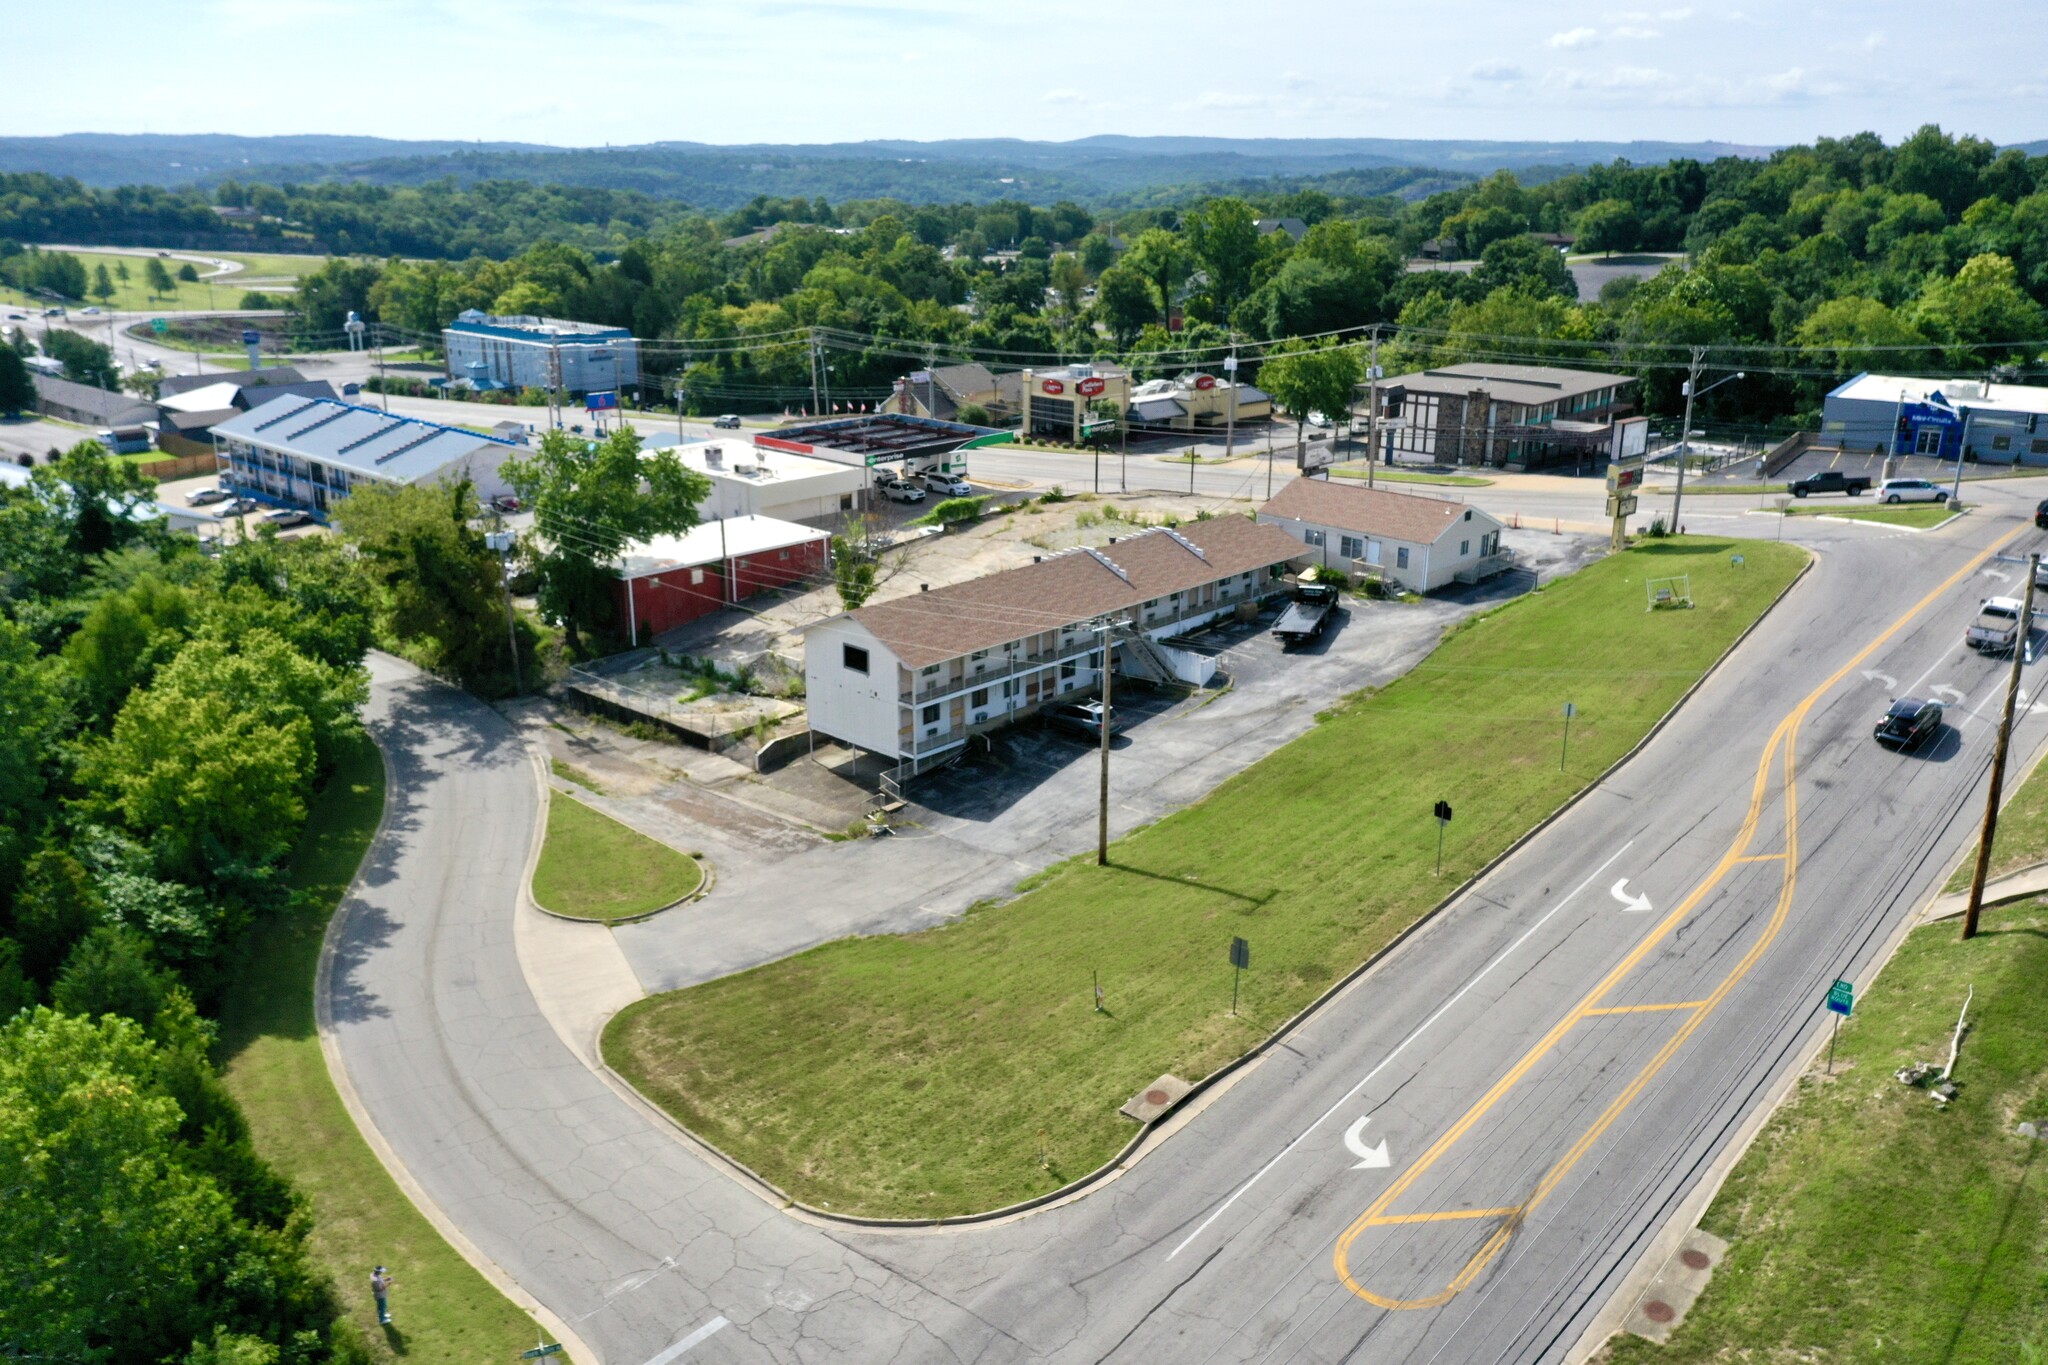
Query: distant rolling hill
point(1093, 169)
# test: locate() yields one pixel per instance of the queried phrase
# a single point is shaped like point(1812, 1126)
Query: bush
point(972, 414)
point(956, 510)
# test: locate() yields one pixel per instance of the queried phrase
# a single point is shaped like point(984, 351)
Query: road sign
point(1570, 710)
point(1623, 475)
point(1842, 997)
point(1240, 953)
point(553, 1348)
point(159, 326)
point(1443, 812)
point(594, 402)
point(1621, 505)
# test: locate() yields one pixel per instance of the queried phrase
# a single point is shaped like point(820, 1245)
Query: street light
point(1692, 391)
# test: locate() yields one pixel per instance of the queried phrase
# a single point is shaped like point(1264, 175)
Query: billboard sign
point(1622, 475)
point(1052, 386)
point(1621, 505)
point(596, 402)
point(1631, 438)
point(1088, 388)
point(1205, 381)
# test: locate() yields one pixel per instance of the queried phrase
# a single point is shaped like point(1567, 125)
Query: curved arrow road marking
point(1632, 904)
point(1891, 684)
point(1374, 1156)
point(1952, 696)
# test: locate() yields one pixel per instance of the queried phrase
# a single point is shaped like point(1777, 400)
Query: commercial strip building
point(1195, 401)
point(1941, 418)
point(1506, 416)
point(525, 352)
point(193, 404)
point(68, 401)
point(912, 678)
point(672, 580)
point(751, 479)
point(1063, 403)
point(907, 444)
point(310, 452)
point(1420, 543)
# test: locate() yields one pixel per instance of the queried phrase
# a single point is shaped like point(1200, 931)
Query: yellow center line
point(1447, 1216)
point(1646, 1009)
point(1761, 858)
point(1784, 736)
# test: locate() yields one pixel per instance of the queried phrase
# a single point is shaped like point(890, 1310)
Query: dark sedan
point(1909, 723)
point(2041, 515)
point(1082, 719)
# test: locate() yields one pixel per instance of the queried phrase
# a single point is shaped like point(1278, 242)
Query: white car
point(948, 485)
point(903, 492)
point(1911, 490)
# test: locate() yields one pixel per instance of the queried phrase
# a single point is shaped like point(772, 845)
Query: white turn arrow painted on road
point(1374, 1156)
point(1998, 574)
point(1633, 904)
point(1891, 684)
point(1948, 694)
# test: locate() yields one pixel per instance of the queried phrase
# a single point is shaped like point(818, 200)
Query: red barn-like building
point(672, 580)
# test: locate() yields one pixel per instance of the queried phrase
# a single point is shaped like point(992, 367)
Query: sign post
point(1443, 820)
point(1570, 710)
point(1240, 958)
point(1841, 1000)
point(1624, 477)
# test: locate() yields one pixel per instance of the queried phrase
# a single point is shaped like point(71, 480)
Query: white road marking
point(696, 1338)
point(1891, 684)
point(1372, 1157)
point(1635, 905)
point(1399, 1048)
point(1948, 696)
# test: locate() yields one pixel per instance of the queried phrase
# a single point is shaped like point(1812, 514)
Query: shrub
point(956, 510)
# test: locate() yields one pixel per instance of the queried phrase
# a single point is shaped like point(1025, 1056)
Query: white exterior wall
point(587, 364)
point(862, 709)
point(1430, 565)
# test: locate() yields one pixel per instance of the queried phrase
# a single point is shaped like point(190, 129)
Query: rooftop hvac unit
point(714, 457)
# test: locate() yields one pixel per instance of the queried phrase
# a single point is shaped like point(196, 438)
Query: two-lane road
point(1550, 1064)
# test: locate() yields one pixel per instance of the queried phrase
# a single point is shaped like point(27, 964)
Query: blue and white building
point(523, 353)
point(1939, 418)
point(311, 452)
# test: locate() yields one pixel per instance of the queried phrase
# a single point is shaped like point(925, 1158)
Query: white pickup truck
point(1997, 627)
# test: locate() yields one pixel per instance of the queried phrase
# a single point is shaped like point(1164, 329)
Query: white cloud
point(1495, 71)
point(1634, 31)
point(1576, 37)
point(1064, 95)
point(1230, 99)
point(1675, 16)
point(1294, 80)
point(1874, 41)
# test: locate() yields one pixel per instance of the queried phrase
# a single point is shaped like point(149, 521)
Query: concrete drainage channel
point(1676, 1287)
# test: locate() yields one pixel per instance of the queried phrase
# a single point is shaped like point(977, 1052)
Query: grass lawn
point(272, 1062)
point(1868, 1225)
point(593, 867)
point(1920, 514)
point(2022, 837)
point(1384, 475)
point(922, 1075)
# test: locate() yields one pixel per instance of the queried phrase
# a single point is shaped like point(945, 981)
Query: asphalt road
point(1549, 1066)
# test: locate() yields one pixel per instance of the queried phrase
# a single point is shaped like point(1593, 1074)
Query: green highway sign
point(1842, 997)
point(552, 1348)
point(159, 326)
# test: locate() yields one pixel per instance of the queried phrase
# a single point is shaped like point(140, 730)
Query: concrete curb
point(547, 797)
point(387, 1157)
point(1133, 1150)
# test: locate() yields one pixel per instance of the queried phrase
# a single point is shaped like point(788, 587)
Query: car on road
point(1997, 627)
point(1831, 481)
point(288, 516)
point(206, 497)
point(1317, 419)
point(727, 422)
point(240, 507)
point(1081, 718)
point(1909, 723)
point(1911, 490)
point(948, 485)
point(902, 492)
point(90, 312)
point(2041, 515)
point(17, 317)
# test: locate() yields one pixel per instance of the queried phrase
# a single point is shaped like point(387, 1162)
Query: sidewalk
point(2014, 886)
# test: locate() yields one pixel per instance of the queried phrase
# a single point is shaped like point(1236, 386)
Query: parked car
point(90, 312)
point(1082, 718)
point(903, 492)
point(1831, 481)
point(948, 485)
point(727, 422)
point(1911, 490)
point(288, 516)
point(1307, 616)
point(1317, 419)
point(207, 497)
point(1997, 627)
point(506, 502)
point(239, 507)
point(2041, 515)
point(1909, 723)
point(351, 390)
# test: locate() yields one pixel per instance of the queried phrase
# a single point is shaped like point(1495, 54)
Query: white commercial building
point(1939, 418)
point(540, 353)
point(751, 481)
point(912, 678)
point(1420, 543)
point(309, 452)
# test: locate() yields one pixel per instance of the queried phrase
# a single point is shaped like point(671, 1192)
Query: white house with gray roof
point(310, 452)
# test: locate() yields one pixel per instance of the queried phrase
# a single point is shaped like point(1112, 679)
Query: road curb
point(387, 1156)
point(1136, 1149)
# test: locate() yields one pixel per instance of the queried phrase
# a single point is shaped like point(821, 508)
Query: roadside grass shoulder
point(1384, 475)
point(964, 1067)
point(1921, 515)
point(272, 1063)
point(593, 867)
point(2022, 837)
point(1866, 1223)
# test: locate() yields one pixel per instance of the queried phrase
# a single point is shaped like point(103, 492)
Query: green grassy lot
point(593, 867)
point(271, 1060)
point(258, 269)
point(1384, 475)
point(964, 1067)
point(1868, 1225)
point(1920, 514)
point(2022, 837)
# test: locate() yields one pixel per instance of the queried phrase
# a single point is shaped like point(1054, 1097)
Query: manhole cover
point(1156, 1097)
point(1694, 1257)
point(1656, 1310)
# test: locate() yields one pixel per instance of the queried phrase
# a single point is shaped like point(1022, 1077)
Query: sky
point(727, 71)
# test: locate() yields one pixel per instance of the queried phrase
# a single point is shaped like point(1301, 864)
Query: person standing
point(381, 1281)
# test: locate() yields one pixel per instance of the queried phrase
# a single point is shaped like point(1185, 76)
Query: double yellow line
point(1783, 740)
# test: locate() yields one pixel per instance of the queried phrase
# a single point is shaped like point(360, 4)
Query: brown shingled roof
point(1350, 506)
point(927, 627)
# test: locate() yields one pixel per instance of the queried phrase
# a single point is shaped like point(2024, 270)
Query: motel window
point(855, 658)
point(1311, 536)
point(2041, 447)
point(846, 502)
point(696, 577)
point(1067, 669)
point(979, 697)
point(929, 669)
point(779, 554)
point(1010, 688)
point(1401, 557)
point(930, 714)
point(1351, 547)
point(1464, 548)
point(979, 654)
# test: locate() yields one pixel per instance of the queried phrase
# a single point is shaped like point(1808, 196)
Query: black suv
point(1081, 718)
point(1909, 723)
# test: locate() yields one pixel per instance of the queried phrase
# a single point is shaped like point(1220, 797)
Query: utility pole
point(1692, 385)
point(501, 540)
point(2012, 695)
point(554, 382)
point(1230, 422)
point(1123, 453)
point(814, 374)
point(1106, 628)
point(1372, 409)
point(383, 384)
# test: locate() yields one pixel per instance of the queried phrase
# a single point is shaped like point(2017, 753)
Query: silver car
point(948, 485)
point(1911, 490)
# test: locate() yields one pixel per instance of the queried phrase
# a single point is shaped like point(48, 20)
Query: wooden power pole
point(2012, 696)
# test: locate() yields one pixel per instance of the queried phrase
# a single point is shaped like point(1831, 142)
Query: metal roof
point(1528, 384)
point(713, 541)
point(366, 440)
point(1957, 393)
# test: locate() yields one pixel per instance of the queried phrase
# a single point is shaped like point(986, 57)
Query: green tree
point(125, 637)
point(1982, 313)
point(440, 583)
point(591, 499)
point(189, 273)
point(1161, 259)
point(1526, 264)
point(1306, 381)
point(1861, 334)
point(853, 572)
point(17, 390)
point(85, 361)
point(1098, 252)
point(55, 908)
point(1609, 225)
point(1123, 299)
point(121, 271)
point(1224, 237)
point(157, 279)
point(102, 283)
